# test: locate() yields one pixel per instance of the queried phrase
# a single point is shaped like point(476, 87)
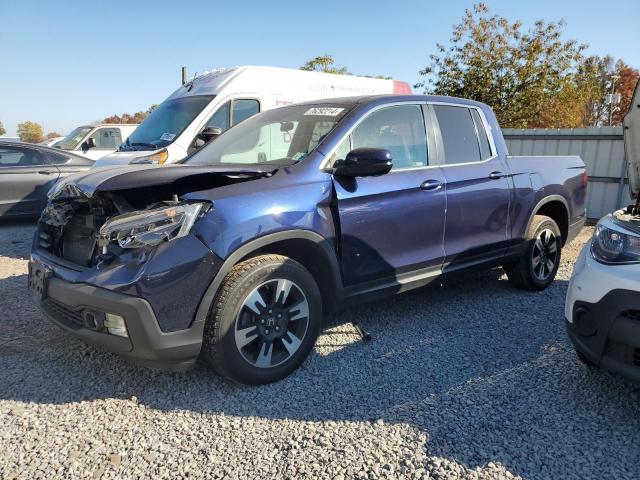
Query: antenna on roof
point(184, 75)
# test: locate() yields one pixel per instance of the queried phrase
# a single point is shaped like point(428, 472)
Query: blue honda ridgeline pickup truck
point(236, 256)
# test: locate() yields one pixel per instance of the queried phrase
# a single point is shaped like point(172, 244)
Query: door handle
point(431, 185)
point(496, 175)
point(45, 172)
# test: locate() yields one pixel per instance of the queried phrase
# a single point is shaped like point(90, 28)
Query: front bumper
point(603, 314)
point(147, 344)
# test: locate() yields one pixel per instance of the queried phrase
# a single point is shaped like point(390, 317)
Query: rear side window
point(458, 132)
point(398, 129)
point(57, 158)
point(485, 148)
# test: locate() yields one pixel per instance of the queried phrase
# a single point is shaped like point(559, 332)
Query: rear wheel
point(264, 321)
point(538, 265)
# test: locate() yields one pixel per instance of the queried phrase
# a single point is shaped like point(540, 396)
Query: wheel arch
point(555, 207)
point(310, 249)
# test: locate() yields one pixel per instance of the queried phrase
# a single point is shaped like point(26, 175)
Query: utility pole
point(613, 99)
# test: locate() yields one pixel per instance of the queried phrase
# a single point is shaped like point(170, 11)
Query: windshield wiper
point(143, 144)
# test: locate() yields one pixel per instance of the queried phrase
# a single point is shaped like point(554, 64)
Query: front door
point(478, 191)
point(25, 178)
point(394, 223)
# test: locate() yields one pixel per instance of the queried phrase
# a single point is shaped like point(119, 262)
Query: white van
point(96, 141)
point(213, 102)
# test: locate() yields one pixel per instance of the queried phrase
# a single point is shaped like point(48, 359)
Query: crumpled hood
point(88, 183)
point(632, 142)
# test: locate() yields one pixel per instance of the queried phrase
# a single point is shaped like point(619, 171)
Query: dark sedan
point(27, 172)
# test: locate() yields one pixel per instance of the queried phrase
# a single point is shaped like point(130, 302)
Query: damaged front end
point(89, 231)
point(95, 218)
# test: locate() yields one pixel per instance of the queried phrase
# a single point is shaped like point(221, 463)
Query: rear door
point(391, 224)
point(25, 178)
point(478, 190)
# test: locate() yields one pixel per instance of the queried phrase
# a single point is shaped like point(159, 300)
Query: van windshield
point(72, 140)
point(166, 123)
point(284, 135)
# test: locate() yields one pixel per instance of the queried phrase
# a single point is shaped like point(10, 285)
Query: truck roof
point(365, 99)
point(281, 80)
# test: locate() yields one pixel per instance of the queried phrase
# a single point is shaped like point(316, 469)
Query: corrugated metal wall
point(601, 148)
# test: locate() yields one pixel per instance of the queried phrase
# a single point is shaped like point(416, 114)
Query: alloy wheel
point(544, 255)
point(272, 323)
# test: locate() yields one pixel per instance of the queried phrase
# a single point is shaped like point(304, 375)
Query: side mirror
point(209, 133)
point(87, 144)
point(364, 162)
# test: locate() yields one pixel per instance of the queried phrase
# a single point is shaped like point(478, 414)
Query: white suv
point(603, 301)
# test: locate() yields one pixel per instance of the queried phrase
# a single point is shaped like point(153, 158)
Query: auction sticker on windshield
point(168, 136)
point(325, 111)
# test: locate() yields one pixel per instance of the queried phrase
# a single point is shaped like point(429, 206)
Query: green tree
point(324, 63)
point(30, 132)
point(137, 117)
point(2, 129)
point(526, 76)
point(51, 135)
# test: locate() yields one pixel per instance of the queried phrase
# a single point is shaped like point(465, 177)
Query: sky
point(68, 63)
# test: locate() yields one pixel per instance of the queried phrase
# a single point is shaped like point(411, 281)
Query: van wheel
point(538, 265)
point(264, 321)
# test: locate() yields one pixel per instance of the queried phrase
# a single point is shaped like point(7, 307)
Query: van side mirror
point(209, 133)
point(88, 144)
point(364, 162)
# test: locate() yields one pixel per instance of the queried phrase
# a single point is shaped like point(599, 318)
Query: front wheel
point(538, 265)
point(264, 321)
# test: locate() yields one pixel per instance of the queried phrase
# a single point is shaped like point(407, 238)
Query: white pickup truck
point(96, 141)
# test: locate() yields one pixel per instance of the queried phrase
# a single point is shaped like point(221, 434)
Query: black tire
point(220, 349)
point(525, 273)
point(584, 359)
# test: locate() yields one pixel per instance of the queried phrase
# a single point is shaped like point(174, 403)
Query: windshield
point(166, 122)
point(284, 136)
point(72, 140)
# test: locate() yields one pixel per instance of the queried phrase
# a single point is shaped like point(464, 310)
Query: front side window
point(107, 138)
point(281, 136)
point(458, 133)
point(398, 129)
point(232, 113)
point(72, 140)
point(20, 157)
point(220, 119)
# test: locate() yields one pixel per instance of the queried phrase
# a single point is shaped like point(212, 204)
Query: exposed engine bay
point(88, 226)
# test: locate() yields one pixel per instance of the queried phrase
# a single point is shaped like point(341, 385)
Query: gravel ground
point(471, 379)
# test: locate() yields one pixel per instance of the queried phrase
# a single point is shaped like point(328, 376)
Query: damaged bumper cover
point(66, 303)
point(162, 331)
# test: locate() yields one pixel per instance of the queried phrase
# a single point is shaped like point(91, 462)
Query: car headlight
point(614, 246)
point(159, 157)
point(150, 227)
